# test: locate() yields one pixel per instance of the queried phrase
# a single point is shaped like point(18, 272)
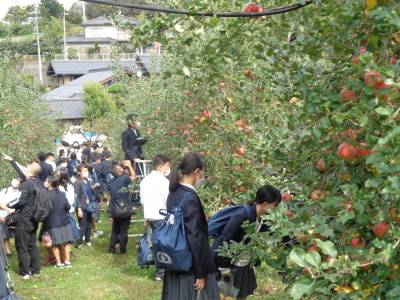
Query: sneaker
point(59, 266)
point(80, 247)
point(25, 277)
point(97, 233)
point(67, 265)
point(159, 279)
point(49, 260)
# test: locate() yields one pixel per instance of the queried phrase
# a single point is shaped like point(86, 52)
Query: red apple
point(347, 94)
point(385, 96)
point(347, 151)
point(373, 79)
point(314, 248)
point(196, 119)
point(249, 8)
point(12, 143)
point(286, 197)
point(363, 50)
point(356, 242)
point(206, 114)
point(7, 111)
point(392, 61)
point(393, 215)
point(355, 59)
point(241, 150)
point(158, 112)
point(318, 195)
point(190, 140)
point(322, 165)
point(187, 92)
point(289, 214)
point(361, 152)
point(381, 228)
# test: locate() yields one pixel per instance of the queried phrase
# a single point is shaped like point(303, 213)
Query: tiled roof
point(81, 67)
point(75, 87)
point(66, 100)
point(103, 21)
point(149, 63)
point(69, 108)
point(81, 39)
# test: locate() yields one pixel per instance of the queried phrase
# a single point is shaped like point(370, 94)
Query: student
point(83, 191)
point(120, 226)
point(154, 190)
point(58, 224)
point(46, 168)
point(25, 229)
point(184, 285)
point(9, 194)
point(244, 277)
point(72, 163)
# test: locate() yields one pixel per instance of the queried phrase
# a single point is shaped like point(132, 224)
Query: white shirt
point(154, 190)
point(52, 163)
point(7, 197)
point(70, 194)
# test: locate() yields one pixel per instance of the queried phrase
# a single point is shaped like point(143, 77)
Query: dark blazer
point(132, 144)
point(46, 170)
point(87, 151)
point(233, 231)
point(80, 194)
point(59, 215)
point(196, 230)
point(27, 198)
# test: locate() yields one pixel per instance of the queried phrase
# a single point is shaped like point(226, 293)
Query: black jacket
point(59, 215)
point(196, 230)
point(132, 144)
point(46, 170)
point(27, 198)
point(233, 231)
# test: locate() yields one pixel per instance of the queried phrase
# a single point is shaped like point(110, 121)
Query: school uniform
point(58, 224)
point(132, 146)
point(244, 277)
point(179, 285)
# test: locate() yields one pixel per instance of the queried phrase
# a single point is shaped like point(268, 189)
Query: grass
point(97, 274)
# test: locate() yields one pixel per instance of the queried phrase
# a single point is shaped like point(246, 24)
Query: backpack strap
point(248, 212)
point(184, 199)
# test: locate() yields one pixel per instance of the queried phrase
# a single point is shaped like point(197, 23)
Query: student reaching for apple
point(244, 278)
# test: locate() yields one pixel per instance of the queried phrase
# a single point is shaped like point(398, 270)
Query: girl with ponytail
point(187, 175)
point(244, 278)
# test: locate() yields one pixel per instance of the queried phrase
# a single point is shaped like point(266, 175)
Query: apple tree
point(307, 101)
point(27, 124)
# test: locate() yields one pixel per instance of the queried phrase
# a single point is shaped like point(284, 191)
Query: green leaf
point(382, 111)
point(328, 248)
point(301, 287)
point(364, 121)
point(298, 256)
point(314, 259)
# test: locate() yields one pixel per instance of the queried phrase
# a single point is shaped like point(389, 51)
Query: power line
point(272, 11)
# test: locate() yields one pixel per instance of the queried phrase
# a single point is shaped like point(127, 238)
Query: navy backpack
point(170, 246)
point(218, 221)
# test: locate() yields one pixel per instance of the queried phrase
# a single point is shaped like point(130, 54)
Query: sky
point(5, 4)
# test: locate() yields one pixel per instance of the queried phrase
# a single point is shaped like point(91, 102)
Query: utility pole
point(65, 37)
point(38, 43)
point(83, 11)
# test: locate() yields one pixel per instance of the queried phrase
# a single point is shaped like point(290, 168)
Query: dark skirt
point(61, 235)
point(180, 286)
point(6, 233)
point(244, 278)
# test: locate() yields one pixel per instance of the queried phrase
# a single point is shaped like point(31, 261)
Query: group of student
point(207, 266)
point(70, 193)
point(72, 181)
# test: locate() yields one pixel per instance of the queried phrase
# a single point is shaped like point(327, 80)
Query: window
point(123, 35)
point(96, 31)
